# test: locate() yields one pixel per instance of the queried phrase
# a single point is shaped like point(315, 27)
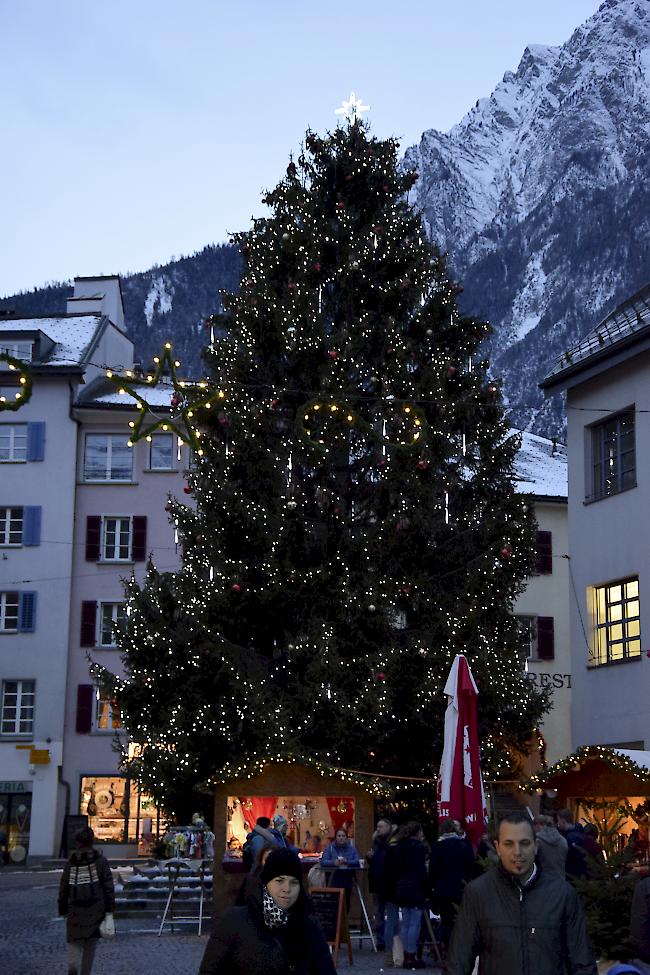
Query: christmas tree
point(356, 524)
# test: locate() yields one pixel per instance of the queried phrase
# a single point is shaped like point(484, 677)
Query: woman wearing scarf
point(273, 933)
point(86, 897)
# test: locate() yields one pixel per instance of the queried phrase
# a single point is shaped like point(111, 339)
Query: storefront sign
point(10, 787)
point(550, 680)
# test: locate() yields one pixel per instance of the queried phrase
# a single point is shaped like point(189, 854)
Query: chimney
point(98, 296)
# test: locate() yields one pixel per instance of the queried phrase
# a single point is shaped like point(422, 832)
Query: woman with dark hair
point(342, 854)
point(86, 897)
point(406, 887)
point(272, 934)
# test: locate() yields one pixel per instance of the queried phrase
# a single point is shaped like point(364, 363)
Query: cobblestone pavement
point(32, 938)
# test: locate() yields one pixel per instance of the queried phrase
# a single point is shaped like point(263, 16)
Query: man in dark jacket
point(451, 867)
point(573, 833)
point(552, 848)
point(518, 919)
point(376, 858)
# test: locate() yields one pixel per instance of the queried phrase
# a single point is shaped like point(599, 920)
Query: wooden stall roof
point(596, 770)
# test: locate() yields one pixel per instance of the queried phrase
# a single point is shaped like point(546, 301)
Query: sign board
point(328, 904)
point(39, 756)
point(71, 826)
point(11, 787)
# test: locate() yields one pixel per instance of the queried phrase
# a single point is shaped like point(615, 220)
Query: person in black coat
point(376, 859)
point(451, 867)
point(273, 933)
point(407, 886)
point(86, 896)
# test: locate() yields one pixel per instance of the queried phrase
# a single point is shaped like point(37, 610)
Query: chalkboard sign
point(71, 826)
point(329, 909)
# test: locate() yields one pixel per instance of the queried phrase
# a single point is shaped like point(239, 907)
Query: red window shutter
point(93, 538)
point(88, 623)
point(544, 555)
point(85, 699)
point(139, 543)
point(545, 638)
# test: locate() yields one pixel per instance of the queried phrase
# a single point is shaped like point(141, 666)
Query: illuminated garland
point(25, 380)
point(192, 395)
point(568, 764)
point(344, 416)
point(374, 784)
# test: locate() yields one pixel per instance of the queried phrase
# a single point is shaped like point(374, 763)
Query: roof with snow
point(72, 336)
point(104, 393)
point(625, 326)
point(541, 467)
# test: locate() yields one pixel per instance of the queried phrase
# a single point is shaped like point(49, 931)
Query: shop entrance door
point(15, 821)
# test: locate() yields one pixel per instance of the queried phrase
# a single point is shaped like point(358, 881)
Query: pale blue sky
point(134, 131)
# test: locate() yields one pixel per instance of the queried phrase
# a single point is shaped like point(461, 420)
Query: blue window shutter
point(27, 614)
point(32, 526)
point(36, 440)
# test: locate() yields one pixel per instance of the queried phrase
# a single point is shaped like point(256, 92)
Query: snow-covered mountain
point(541, 197)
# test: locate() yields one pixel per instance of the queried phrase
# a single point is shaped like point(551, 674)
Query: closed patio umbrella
point(460, 783)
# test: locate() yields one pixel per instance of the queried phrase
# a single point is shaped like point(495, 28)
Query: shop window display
point(312, 820)
point(118, 812)
point(15, 821)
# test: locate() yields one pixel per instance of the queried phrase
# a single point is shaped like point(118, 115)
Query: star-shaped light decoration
point(353, 108)
point(189, 396)
point(25, 380)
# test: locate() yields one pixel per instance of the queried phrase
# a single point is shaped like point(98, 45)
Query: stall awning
point(634, 762)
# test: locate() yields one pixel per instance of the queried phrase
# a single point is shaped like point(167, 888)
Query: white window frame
point(103, 557)
point(9, 516)
point(9, 598)
point(107, 479)
point(114, 615)
point(18, 350)
point(17, 454)
point(103, 701)
point(160, 436)
point(530, 621)
point(25, 700)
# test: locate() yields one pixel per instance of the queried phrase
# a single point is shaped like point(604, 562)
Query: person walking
point(518, 919)
point(86, 898)
point(273, 933)
point(406, 886)
point(451, 867)
point(260, 836)
point(552, 848)
point(376, 858)
point(574, 834)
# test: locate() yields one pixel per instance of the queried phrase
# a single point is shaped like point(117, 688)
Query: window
point(116, 539)
point(9, 605)
point(538, 637)
point(617, 619)
point(544, 553)
point(108, 458)
point(18, 350)
point(110, 614)
point(17, 716)
point(13, 441)
point(161, 452)
point(613, 455)
point(11, 526)
point(107, 714)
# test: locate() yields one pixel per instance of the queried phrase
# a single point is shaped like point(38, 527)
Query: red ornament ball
point(291, 285)
point(506, 552)
point(348, 177)
point(647, 653)
point(333, 354)
point(340, 205)
point(316, 266)
point(187, 489)
point(423, 464)
point(451, 370)
point(378, 229)
point(381, 675)
point(274, 403)
point(236, 587)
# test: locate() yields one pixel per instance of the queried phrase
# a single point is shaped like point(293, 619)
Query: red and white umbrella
point(460, 783)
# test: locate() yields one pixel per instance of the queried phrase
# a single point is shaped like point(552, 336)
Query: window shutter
point(544, 556)
point(32, 526)
point(545, 638)
point(36, 440)
point(88, 623)
point(139, 542)
point(93, 537)
point(85, 700)
point(27, 612)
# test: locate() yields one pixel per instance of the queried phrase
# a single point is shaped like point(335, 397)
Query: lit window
point(110, 615)
point(17, 717)
point(617, 622)
point(11, 526)
point(9, 605)
point(107, 713)
point(613, 455)
point(161, 455)
point(13, 441)
point(116, 539)
point(108, 458)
